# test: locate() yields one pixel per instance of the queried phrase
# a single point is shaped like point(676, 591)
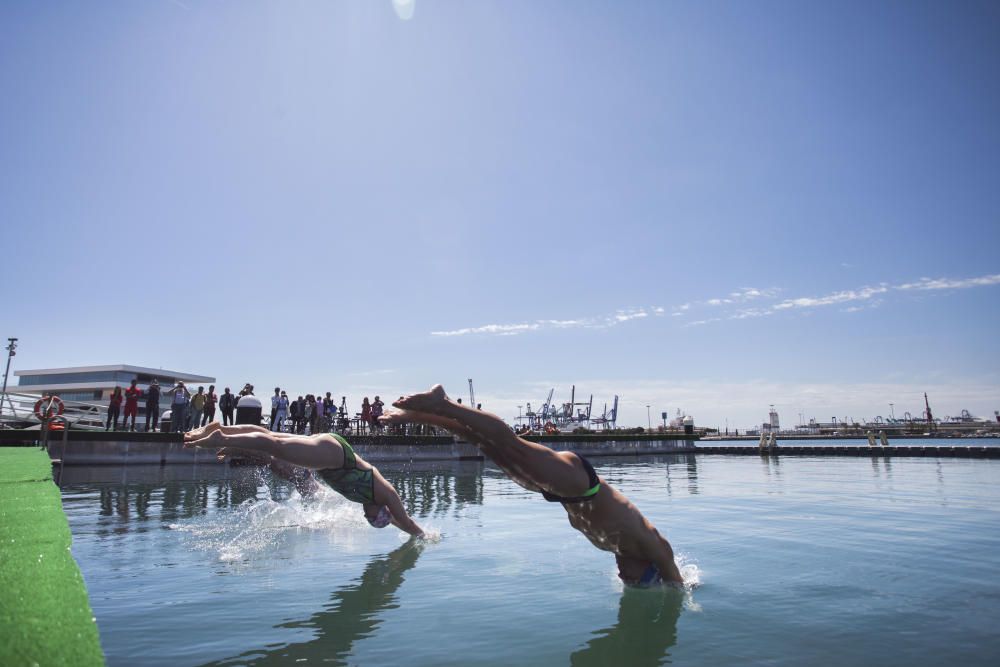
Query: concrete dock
point(120, 447)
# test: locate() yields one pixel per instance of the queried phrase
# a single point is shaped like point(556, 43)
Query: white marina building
point(94, 384)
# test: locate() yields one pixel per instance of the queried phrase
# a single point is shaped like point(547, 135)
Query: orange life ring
point(53, 407)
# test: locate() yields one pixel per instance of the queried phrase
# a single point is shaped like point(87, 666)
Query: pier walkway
point(932, 451)
point(45, 616)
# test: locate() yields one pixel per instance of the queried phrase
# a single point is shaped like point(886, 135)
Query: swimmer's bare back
point(607, 518)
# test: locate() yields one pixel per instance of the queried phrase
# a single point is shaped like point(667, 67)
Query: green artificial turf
point(45, 616)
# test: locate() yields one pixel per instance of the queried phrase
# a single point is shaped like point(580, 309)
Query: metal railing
point(19, 412)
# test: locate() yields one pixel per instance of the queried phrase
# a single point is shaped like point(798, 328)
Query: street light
point(892, 412)
point(649, 422)
point(11, 351)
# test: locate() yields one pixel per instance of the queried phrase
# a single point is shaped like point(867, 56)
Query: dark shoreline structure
point(124, 448)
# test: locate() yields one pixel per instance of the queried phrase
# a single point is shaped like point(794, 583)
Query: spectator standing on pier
point(153, 404)
point(179, 406)
point(308, 410)
point(227, 404)
point(329, 412)
point(280, 412)
point(132, 395)
point(366, 414)
point(274, 407)
point(318, 414)
point(197, 406)
point(297, 408)
point(114, 408)
point(211, 399)
point(377, 405)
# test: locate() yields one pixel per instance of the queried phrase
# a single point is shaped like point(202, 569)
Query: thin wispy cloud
point(743, 295)
point(852, 300)
point(831, 299)
point(862, 298)
point(518, 328)
point(947, 283)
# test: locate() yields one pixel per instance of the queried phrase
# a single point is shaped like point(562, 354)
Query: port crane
point(608, 420)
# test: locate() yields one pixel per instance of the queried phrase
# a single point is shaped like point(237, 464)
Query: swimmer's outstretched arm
point(313, 452)
point(386, 494)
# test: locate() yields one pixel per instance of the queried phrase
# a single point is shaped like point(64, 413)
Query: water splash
point(690, 572)
point(262, 526)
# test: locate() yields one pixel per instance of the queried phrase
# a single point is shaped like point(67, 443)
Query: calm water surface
point(796, 561)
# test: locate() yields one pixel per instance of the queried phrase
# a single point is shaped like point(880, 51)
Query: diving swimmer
point(606, 517)
point(329, 455)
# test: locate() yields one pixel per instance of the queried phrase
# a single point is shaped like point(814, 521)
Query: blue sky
point(708, 206)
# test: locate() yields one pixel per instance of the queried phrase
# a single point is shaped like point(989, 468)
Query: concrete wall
point(102, 452)
point(79, 451)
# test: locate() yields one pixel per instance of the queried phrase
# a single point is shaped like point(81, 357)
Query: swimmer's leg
point(528, 463)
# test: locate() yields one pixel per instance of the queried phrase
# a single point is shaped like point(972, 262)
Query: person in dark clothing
point(295, 411)
point(208, 412)
point(329, 412)
point(153, 405)
point(114, 408)
point(274, 407)
point(227, 404)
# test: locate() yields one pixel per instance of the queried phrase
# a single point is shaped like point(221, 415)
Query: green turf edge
point(45, 615)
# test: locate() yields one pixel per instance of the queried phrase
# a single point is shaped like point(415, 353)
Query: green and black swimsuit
point(350, 481)
point(595, 486)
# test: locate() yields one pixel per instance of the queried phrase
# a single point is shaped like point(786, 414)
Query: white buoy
point(763, 440)
point(871, 439)
point(883, 439)
point(774, 439)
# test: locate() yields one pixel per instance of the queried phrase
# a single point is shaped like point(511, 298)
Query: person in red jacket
point(132, 395)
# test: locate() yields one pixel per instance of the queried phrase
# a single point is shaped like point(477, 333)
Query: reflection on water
point(877, 563)
point(175, 493)
point(645, 631)
point(351, 615)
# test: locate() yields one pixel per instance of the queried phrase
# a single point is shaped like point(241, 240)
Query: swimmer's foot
point(433, 401)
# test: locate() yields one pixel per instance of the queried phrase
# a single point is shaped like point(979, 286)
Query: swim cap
point(382, 519)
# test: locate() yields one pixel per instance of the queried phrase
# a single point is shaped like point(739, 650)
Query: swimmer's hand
point(396, 417)
point(213, 439)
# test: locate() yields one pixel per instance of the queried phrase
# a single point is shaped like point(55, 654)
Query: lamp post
point(11, 351)
point(519, 415)
point(649, 422)
point(892, 411)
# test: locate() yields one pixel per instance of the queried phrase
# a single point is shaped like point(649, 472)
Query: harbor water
point(790, 561)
